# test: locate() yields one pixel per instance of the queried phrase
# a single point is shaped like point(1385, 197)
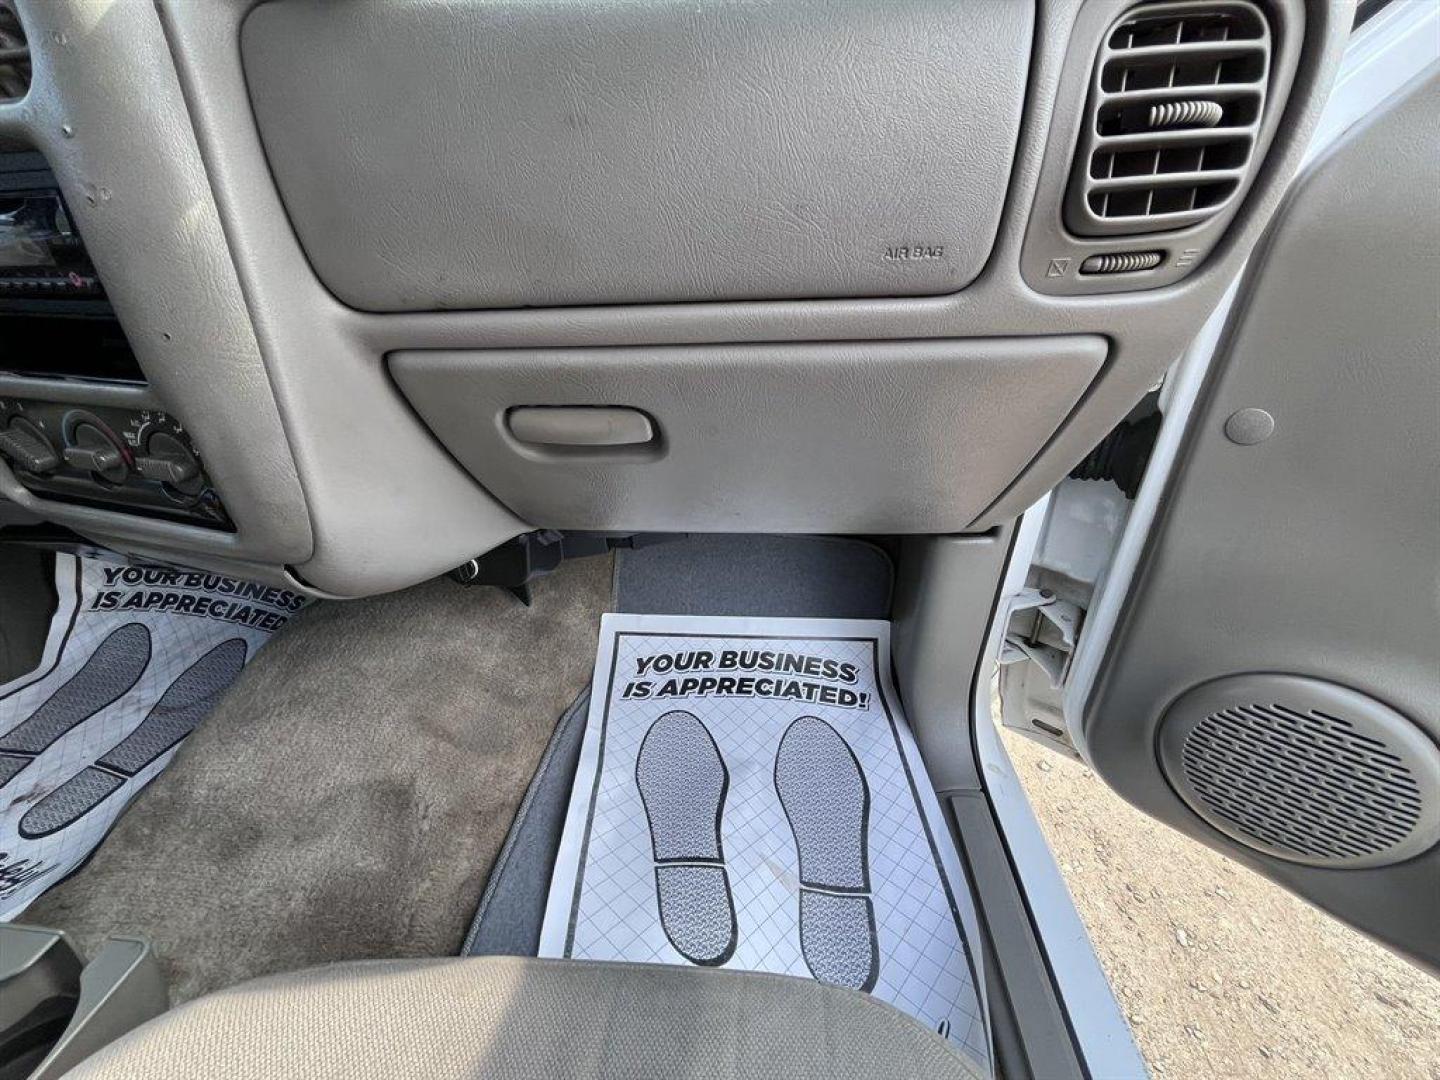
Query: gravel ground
point(1220, 972)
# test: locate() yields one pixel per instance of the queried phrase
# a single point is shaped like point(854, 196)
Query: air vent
point(14, 55)
point(1304, 770)
point(1122, 262)
point(1175, 105)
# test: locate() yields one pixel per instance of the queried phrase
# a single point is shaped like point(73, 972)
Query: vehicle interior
point(435, 344)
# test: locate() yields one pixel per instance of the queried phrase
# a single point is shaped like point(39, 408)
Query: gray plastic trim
point(356, 446)
point(950, 610)
point(36, 965)
point(1022, 997)
point(120, 989)
point(1348, 782)
point(106, 110)
point(68, 391)
point(1292, 556)
point(577, 152)
point(945, 590)
point(1053, 253)
point(849, 437)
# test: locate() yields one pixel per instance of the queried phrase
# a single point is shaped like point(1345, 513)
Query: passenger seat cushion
point(512, 1017)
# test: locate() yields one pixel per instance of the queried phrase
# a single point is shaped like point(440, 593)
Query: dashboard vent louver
point(1176, 100)
point(14, 56)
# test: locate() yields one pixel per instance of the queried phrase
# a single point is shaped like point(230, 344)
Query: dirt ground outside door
point(1220, 972)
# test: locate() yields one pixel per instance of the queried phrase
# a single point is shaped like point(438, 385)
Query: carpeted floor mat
point(749, 796)
point(772, 576)
point(348, 795)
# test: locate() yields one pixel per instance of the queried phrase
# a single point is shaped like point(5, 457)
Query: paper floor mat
point(136, 657)
point(749, 796)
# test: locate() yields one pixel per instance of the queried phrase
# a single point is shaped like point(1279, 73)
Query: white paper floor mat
point(135, 658)
point(749, 796)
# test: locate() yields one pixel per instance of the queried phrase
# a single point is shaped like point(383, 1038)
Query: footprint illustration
point(826, 799)
point(112, 669)
point(683, 782)
point(183, 705)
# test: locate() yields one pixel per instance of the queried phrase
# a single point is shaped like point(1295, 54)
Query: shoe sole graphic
point(827, 801)
point(183, 705)
point(113, 668)
point(683, 783)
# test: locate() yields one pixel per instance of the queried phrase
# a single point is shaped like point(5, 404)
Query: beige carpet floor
point(347, 796)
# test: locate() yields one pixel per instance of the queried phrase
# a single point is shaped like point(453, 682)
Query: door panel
point(1276, 668)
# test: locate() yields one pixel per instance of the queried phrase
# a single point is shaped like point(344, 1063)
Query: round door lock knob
point(1249, 426)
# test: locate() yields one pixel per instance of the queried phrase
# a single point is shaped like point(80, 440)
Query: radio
point(54, 317)
point(41, 254)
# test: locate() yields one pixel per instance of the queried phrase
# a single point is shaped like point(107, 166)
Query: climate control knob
point(92, 450)
point(171, 462)
point(26, 445)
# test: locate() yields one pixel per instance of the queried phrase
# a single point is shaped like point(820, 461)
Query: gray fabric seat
point(511, 1017)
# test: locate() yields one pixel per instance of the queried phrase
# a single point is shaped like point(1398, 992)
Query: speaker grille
point(1303, 783)
point(1304, 770)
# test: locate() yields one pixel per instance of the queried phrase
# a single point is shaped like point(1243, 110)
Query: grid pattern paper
point(603, 904)
point(64, 729)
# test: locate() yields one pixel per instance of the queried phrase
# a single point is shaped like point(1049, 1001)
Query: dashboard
point(341, 297)
point(63, 345)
